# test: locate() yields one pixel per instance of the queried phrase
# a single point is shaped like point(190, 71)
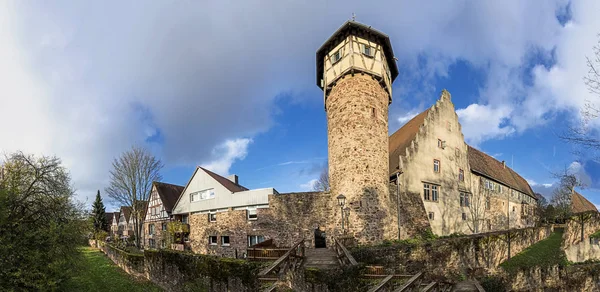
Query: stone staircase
point(321, 258)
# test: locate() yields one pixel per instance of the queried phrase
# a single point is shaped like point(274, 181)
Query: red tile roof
point(400, 140)
point(488, 166)
point(168, 194)
point(579, 204)
point(231, 186)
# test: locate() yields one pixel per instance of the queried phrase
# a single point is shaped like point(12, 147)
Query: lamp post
point(342, 201)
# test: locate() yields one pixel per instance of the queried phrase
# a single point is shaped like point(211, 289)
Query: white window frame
point(202, 195)
point(212, 216)
point(337, 56)
point(436, 165)
point(256, 237)
point(251, 214)
point(223, 240)
point(210, 240)
point(367, 50)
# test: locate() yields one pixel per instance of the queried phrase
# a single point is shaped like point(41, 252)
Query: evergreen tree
point(99, 214)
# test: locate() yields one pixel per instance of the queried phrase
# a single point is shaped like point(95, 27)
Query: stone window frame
point(151, 229)
point(440, 143)
point(210, 240)
point(431, 216)
point(431, 192)
point(151, 243)
point(223, 237)
point(465, 199)
point(461, 174)
point(439, 166)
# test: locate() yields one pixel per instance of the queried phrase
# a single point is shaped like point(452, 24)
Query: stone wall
point(446, 258)
point(572, 233)
point(160, 236)
point(289, 218)
point(585, 250)
point(357, 128)
point(131, 263)
point(555, 278)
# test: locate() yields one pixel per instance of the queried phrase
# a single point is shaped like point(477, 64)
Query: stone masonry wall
point(159, 235)
point(357, 127)
point(289, 218)
point(572, 233)
point(448, 257)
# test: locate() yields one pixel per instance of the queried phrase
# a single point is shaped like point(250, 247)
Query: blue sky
point(231, 85)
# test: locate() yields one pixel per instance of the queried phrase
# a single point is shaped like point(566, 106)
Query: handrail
point(430, 287)
point(410, 282)
point(283, 258)
point(344, 252)
point(381, 284)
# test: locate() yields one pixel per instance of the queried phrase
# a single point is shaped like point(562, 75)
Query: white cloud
point(308, 186)
point(402, 119)
point(482, 122)
point(226, 154)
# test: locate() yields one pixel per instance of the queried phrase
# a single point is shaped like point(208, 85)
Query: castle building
point(422, 177)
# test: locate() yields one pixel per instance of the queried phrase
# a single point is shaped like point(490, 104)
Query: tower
point(355, 70)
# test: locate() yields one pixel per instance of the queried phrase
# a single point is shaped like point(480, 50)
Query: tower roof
point(364, 31)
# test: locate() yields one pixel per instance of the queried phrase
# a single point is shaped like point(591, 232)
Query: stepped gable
point(579, 204)
point(168, 194)
point(488, 166)
point(401, 139)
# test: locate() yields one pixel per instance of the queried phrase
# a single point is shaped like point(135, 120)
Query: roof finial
point(353, 16)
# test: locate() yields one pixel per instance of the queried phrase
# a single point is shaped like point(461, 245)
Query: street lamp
point(342, 201)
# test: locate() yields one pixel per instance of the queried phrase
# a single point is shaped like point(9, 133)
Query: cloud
point(226, 154)
point(402, 119)
point(483, 122)
point(76, 75)
point(308, 186)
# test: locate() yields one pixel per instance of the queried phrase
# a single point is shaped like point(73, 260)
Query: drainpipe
point(397, 178)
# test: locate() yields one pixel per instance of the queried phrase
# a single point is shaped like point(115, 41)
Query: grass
point(99, 273)
point(545, 253)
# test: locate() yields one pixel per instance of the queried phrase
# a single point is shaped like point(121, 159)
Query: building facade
point(158, 214)
point(459, 188)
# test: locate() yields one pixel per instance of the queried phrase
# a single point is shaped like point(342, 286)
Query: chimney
point(233, 178)
point(503, 164)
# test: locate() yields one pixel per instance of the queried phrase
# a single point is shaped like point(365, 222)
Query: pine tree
point(99, 214)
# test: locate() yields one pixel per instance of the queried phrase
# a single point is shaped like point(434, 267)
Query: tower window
point(367, 50)
point(436, 165)
point(461, 175)
point(431, 215)
point(430, 192)
point(336, 57)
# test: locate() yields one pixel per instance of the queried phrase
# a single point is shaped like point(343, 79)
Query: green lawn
point(545, 253)
point(99, 273)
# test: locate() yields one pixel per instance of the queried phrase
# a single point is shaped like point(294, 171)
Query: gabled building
point(114, 224)
point(158, 214)
point(109, 217)
point(125, 224)
point(448, 186)
point(218, 211)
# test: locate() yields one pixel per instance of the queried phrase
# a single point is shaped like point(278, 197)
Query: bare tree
point(561, 197)
point(581, 135)
point(478, 203)
point(322, 184)
point(131, 183)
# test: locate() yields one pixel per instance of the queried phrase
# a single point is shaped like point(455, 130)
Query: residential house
point(158, 214)
point(114, 224)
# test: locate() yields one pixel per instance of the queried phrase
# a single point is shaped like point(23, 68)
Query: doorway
point(320, 236)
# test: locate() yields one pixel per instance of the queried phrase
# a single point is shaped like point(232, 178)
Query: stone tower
point(355, 69)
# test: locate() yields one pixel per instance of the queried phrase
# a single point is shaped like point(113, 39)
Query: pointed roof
point(228, 184)
point(579, 204)
point(400, 140)
point(488, 166)
point(168, 194)
point(126, 211)
point(116, 215)
point(109, 218)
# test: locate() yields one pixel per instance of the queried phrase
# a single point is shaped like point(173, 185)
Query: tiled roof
point(109, 218)
point(231, 186)
point(488, 166)
point(579, 204)
point(168, 193)
point(126, 211)
point(117, 214)
point(400, 140)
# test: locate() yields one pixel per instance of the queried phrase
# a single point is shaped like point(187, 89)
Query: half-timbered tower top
point(355, 48)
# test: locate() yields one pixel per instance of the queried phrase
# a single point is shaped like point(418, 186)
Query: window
point(255, 239)
point(251, 212)
point(164, 226)
point(367, 50)
point(462, 199)
point(336, 56)
point(436, 165)
point(489, 224)
point(163, 243)
point(440, 143)
point(151, 243)
point(467, 200)
point(372, 112)
point(202, 195)
point(461, 175)
point(212, 217)
point(457, 152)
point(151, 229)
point(212, 240)
point(430, 192)
point(184, 219)
point(487, 203)
point(464, 216)
point(225, 240)
point(431, 215)
point(514, 209)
